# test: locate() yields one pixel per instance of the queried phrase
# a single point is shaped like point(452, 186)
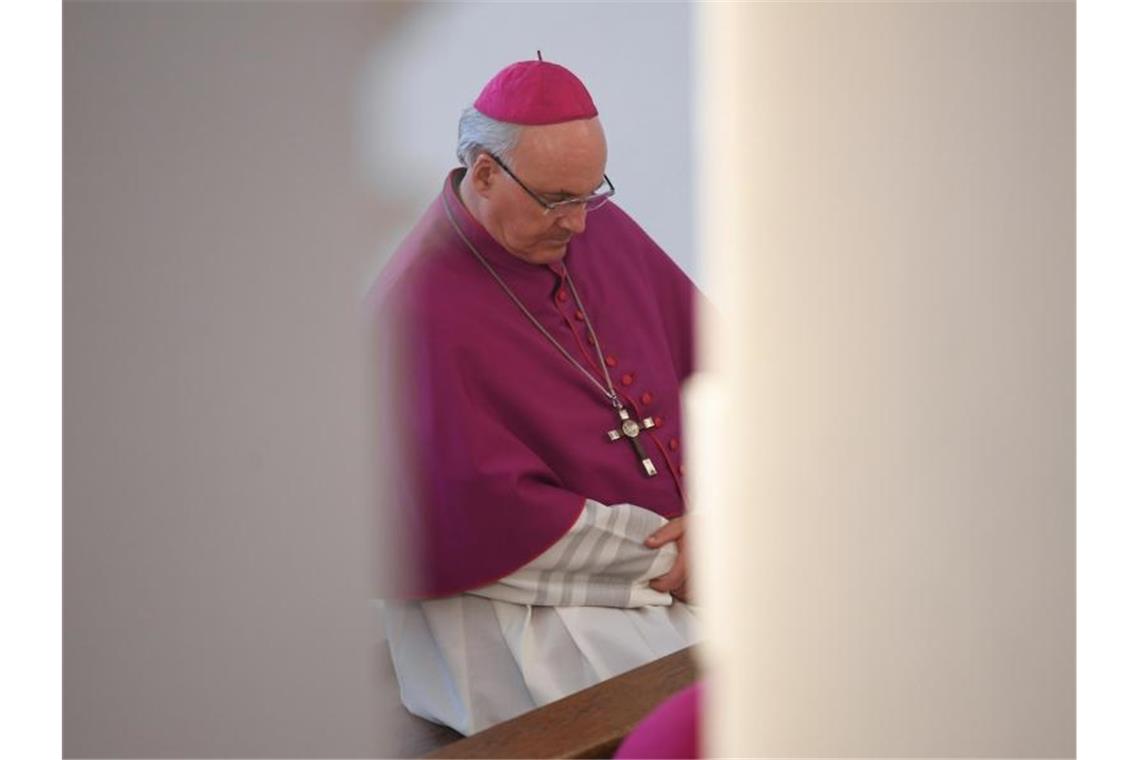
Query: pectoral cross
point(631, 428)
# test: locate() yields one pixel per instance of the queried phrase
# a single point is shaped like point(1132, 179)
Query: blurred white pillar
point(885, 456)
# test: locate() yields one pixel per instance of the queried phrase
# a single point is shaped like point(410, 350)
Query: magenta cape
point(671, 732)
point(493, 439)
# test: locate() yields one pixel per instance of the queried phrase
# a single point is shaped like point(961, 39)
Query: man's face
point(556, 162)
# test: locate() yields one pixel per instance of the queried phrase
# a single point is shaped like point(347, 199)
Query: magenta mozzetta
point(497, 436)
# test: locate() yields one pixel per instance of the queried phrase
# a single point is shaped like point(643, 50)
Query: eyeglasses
point(590, 202)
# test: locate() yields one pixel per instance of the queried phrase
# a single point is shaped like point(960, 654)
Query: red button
point(647, 398)
point(657, 421)
point(563, 295)
point(590, 339)
point(674, 444)
point(627, 379)
point(611, 362)
point(578, 315)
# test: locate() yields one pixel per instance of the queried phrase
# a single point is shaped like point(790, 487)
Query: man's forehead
point(572, 152)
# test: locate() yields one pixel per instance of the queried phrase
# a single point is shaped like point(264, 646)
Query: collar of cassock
point(505, 263)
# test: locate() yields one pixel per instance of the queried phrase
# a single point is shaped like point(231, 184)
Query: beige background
point(888, 457)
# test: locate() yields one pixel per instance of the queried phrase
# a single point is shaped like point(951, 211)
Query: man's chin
point(545, 253)
point(559, 250)
point(550, 253)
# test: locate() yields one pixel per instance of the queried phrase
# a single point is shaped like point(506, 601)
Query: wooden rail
point(588, 723)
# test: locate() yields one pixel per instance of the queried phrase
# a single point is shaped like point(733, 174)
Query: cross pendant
point(631, 428)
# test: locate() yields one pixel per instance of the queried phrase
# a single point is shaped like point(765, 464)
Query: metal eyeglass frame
point(558, 206)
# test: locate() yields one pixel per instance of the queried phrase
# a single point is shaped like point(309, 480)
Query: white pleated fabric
point(580, 613)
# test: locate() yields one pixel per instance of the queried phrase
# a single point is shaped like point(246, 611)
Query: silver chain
point(608, 388)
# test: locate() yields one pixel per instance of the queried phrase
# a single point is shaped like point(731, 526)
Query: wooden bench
point(589, 723)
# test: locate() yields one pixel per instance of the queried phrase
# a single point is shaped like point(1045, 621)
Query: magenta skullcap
point(535, 92)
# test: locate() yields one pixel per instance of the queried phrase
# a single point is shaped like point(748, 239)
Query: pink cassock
point(671, 732)
point(493, 439)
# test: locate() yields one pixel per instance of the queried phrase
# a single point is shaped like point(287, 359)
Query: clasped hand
point(675, 581)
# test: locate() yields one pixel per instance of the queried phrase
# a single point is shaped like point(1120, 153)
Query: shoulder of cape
point(616, 222)
point(439, 327)
point(416, 281)
point(650, 259)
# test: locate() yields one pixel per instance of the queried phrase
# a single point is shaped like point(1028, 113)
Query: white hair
point(482, 134)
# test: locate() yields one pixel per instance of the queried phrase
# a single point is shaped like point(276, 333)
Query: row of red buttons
point(627, 378)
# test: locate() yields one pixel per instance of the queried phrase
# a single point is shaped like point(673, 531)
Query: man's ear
point(483, 174)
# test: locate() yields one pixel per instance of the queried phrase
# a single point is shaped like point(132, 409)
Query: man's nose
point(574, 220)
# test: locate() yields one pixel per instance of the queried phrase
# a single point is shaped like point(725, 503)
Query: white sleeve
point(601, 561)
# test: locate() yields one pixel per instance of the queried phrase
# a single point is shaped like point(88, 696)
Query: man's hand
point(676, 580)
